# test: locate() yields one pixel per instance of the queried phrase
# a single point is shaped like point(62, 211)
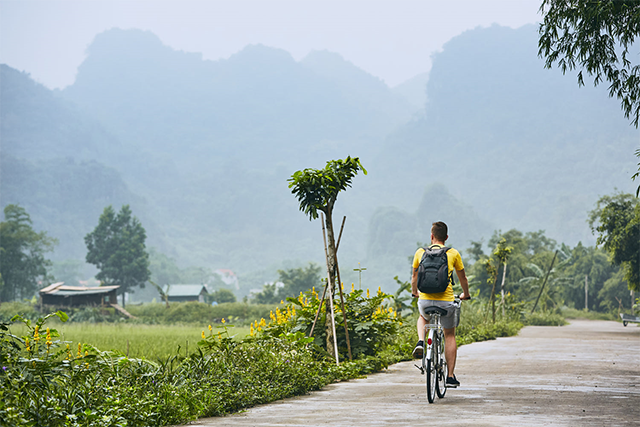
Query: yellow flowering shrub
point(369, 321)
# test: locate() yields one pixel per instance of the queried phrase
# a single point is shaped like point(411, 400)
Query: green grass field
point(153, 342)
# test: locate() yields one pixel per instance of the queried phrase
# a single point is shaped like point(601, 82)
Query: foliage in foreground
point(44, 381)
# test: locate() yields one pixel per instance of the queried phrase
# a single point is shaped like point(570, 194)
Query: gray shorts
point(451, 320)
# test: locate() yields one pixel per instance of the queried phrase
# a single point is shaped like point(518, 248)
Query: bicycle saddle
point(432, 309)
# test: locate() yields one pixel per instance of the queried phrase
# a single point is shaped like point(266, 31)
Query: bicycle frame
point(431, 329)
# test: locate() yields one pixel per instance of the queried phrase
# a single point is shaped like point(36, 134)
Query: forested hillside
point(202, 150)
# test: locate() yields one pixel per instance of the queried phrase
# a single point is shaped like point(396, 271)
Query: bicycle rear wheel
point(431, 381)
point(441, 371)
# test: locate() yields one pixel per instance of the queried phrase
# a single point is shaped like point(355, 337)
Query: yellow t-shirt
point(455, 262)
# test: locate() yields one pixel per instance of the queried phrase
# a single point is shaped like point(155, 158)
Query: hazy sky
point(391, 39)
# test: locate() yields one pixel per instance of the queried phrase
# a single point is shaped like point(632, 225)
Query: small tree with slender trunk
point(317, 191)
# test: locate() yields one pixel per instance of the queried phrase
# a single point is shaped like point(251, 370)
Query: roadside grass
point(545, 319)
point(572, 313)
point(188, 313)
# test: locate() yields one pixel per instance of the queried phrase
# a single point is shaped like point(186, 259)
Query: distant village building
point(182, 293)
point(228, 277)
point(61, 295)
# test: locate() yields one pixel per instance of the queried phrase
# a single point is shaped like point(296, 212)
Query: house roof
point(185, 290)
point(62, 290)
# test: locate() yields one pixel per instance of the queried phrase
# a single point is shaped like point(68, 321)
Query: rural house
point(59, 294)
point(182, 293)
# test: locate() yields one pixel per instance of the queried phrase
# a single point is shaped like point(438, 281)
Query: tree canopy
point(595, 36)
point(295, 280)
point(529, 263)
point(117, 247)
point(317, 189)
point(616, 221)
point(22, 251)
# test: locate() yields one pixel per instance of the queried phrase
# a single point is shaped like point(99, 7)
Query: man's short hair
point(440, 230)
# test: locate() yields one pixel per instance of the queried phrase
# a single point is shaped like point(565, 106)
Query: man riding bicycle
point(444, 299)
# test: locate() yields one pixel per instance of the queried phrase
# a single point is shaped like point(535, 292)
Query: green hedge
point(545, 319)
point(195, 312)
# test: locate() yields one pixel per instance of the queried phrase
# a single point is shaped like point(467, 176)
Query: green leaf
point(62, 315)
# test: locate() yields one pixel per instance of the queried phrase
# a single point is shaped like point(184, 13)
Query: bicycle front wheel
point(432, 376)
point(441, 371)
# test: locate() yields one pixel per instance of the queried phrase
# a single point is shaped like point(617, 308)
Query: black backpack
point(433, 271)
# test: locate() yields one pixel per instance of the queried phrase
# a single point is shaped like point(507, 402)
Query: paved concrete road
point(583, 374)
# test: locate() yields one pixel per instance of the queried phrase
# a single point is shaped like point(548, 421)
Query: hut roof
point(64, 290)
point(184, 290)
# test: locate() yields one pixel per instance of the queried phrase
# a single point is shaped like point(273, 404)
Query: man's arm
point(462, 277)
point(414, 283)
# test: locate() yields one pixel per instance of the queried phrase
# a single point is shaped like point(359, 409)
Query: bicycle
point(434, 362)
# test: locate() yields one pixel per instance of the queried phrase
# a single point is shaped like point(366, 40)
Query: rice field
point(152, 342)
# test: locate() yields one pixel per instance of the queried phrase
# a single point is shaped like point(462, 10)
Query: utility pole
point(359, 270)
point(633, 301)
point(504, 277)
point(586, 293)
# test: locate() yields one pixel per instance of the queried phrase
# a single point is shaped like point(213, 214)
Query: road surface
point(584, 374)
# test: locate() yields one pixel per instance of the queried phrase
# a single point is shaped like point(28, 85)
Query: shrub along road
point(586, 373)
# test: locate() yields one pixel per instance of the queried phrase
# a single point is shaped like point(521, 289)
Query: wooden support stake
point(344, 312)
point(333, 326)
point(344, 218)
point(313, 326)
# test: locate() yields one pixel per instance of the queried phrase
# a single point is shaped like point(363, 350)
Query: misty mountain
point(394, 234)
point(191, 112)
point(202, 150)
point(414, 90)
point(36, 123)
point(218, 139)
point(525, 146)
point(209, 144)
point(65, 198)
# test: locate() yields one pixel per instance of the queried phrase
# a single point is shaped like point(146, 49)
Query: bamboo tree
point(492, 273)
point(502, 252)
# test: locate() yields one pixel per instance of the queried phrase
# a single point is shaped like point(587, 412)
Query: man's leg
point(450, 349)
point(421, 324)
point(419, 350)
